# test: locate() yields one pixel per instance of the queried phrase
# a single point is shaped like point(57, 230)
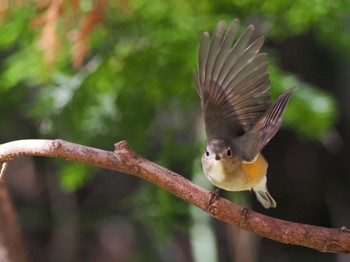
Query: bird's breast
point(256, 170)
point(233, 175)
point(224, 174)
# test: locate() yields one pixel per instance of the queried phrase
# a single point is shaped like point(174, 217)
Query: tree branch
point(11, 239)
point(126, 161)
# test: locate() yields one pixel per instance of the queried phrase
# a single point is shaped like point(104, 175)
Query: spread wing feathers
point(266, 127)
point(232, 80)
point(271, 121)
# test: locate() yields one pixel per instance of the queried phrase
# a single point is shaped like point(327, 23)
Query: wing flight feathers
point(232, 80)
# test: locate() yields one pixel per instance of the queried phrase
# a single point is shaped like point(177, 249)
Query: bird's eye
point(229, 152)
point(206, 153)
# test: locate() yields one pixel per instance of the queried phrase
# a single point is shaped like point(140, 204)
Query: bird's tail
point(265, 199)
point(263, 195)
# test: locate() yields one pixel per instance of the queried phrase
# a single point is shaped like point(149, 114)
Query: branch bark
point(11, 239)
point(124, 160)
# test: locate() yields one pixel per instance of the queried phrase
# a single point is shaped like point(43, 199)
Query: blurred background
point(97, 71)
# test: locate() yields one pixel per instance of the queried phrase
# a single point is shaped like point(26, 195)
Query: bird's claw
point(214, 195)
point(244, 216)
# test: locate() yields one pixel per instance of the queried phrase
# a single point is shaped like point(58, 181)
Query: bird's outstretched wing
point(253, 141)
point(232, 81)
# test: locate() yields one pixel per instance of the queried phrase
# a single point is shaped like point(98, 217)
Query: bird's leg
point(214, 195)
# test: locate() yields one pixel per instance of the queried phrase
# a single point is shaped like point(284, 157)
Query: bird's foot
point(245, 212)
point(214, 195)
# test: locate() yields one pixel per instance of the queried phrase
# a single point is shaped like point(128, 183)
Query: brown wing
point(270, 122)
point(232, 81)
point(252, 142)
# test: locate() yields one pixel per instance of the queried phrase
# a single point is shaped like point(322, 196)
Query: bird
point(233, 84)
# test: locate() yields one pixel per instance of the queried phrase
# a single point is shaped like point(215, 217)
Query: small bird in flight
point(234, 87)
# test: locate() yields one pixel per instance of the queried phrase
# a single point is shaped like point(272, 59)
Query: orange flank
point(256, 170)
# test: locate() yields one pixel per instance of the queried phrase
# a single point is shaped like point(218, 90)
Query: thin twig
point(3, 169)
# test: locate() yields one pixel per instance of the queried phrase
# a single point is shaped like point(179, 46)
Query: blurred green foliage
point(136, 82)
point(311, 111)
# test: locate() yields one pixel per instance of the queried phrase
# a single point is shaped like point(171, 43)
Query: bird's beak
point(217, 157)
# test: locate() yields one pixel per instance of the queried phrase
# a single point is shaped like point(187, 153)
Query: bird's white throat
point(216, 172)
